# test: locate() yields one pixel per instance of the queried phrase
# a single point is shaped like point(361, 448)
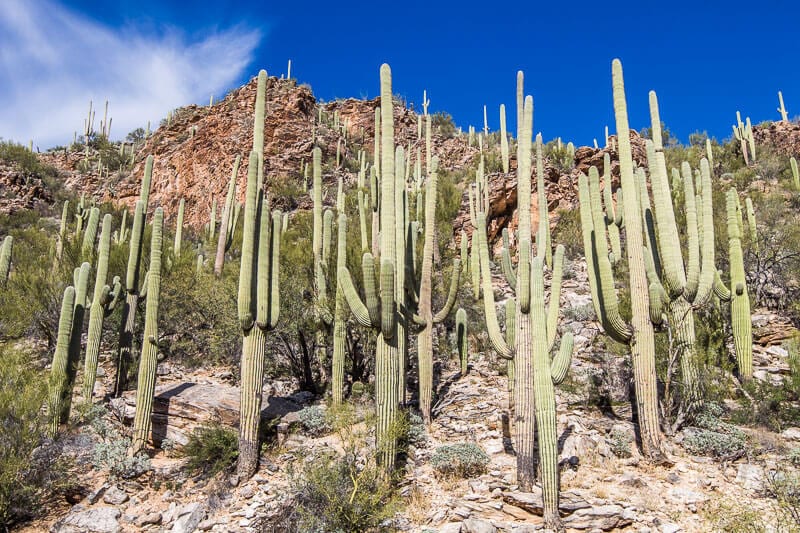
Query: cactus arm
point(357, 307)
point(587, 231)
point(543, 248)
point(751, 223)
point(451, 294)
point(559, 366)
point(263, 258)
point(246, 285)
point(705, 221)
point(492, 325)
point(658, 298)
point(692, 233)
point(555, 294)
point(721, 291)
point(507, 266)
point(649, 225)
point(275, 272)
point(610, 317)
point(387, 293)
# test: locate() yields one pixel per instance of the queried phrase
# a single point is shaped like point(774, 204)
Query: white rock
point(98, 520)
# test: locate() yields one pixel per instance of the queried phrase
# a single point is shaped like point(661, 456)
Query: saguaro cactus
point(146, 384)
point(382, 311)
point(258, 308)
point(503, 138)
point(320, 247)
point(795, 173)
point(782, 108)
point(5, 259)
point(128, 321)
point(741, 323)
point(425, 336)
point(58, 371)
point(62, 232)
point(68, 347)
point(90, 234)
point(228, 223)
point(104, 299)
point(639, 333)
point(340, 310)
point(673, 288)
point(535, 334)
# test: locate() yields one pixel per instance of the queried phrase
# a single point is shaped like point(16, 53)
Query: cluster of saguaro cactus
point(384, 310)
point(259, 295)
point(230, 215)
point(146, 383)
point(639, 332)
point(676, 288)
point(132, 284)
point(743, 132)
point(534, 371)
point(104, 300)
point(736, 294)
point(68, 348)
point(6, 250)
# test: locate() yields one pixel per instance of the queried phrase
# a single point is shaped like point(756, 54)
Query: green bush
point(211, 449)
point(464, 459)
point(713, 437)
point(314, 420)
point(30, 470)
point(621, 443)
point(338, 494)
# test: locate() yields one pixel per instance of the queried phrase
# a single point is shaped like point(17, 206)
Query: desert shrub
point(341, 492)
point(313, 420)
point(784, 486)
point(713, 437)
point(211, 449)
point(581, 313)
point(197, 318)
point(621, 443)
point(28, 470)
point(730, 516)
point(568, 232)
point(443, 124)
point(337, 494)
point(463, 459)
point(111, 452)
point(794, 456)
point(416, 430)
point(769, 405)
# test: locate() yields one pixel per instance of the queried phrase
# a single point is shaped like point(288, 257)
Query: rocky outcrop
point(20, 190)
point(783, 137)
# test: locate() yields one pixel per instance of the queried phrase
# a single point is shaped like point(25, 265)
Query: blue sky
point(705, 60)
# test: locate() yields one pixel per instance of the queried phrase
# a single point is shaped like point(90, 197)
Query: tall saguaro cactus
point(382, 311)
point(534, 371)
point(148, 362)
point(58, 370)
point(340, 309)
point(104, 299)
point(741, 323)
point(503, 138)
point(258, 309)
point(462, 341)
point(132, 282)
point(425, 335)
point(639, 332)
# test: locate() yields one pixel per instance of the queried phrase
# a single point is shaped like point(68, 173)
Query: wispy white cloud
point(53, 61)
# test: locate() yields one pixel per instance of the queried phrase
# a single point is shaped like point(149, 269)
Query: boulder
point(98, 520)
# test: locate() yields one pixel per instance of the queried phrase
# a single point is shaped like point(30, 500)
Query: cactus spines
point(176, 247)
point(503, 138)
point(258, 309)
point(146, 384)
point(5, 258)
point(58, 371)
point(462, 342)
point(104, 299)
